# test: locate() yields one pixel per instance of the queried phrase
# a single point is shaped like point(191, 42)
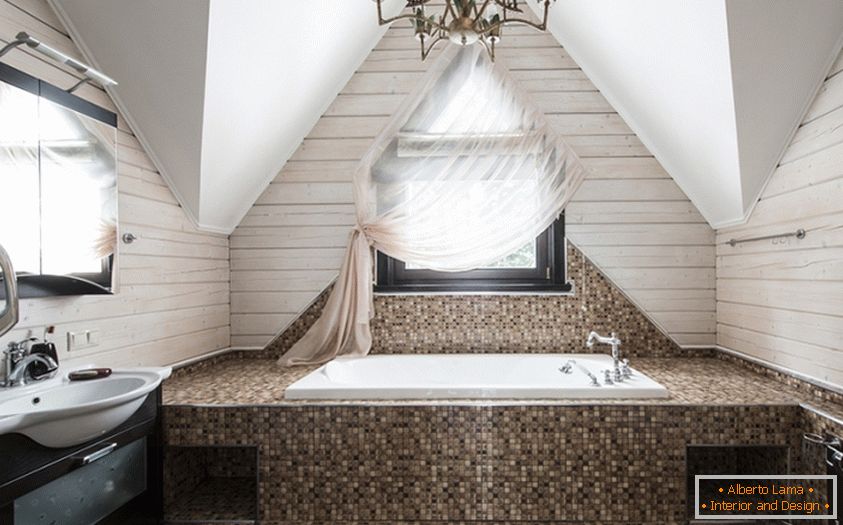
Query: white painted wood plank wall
point(783, 302)
point(173, 298)
point(629, 217)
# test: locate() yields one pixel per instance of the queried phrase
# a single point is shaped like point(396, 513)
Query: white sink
point(60, 413)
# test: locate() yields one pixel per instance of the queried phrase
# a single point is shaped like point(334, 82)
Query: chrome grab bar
point(11, 313)
point(799, 234)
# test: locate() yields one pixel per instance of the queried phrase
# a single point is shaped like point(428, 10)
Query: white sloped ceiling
point(222, 92)
point(714, 88)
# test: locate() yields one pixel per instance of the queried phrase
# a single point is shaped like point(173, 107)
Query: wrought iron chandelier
point(465, 22)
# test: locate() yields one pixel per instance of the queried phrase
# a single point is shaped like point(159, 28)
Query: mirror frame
point(46, 285)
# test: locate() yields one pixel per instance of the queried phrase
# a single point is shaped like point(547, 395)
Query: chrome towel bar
point(799, 234)
point(85, 70)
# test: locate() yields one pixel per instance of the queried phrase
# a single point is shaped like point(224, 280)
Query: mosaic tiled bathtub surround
point(500, 323)
point(580, 462)
point(241, 380)
point(532, 463)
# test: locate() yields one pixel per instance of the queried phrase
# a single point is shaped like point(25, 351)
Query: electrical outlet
point(82, 340)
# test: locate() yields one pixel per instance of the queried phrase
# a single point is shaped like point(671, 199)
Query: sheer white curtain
point(466, 172)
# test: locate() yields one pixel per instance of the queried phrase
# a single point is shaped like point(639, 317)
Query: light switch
point(82, 340)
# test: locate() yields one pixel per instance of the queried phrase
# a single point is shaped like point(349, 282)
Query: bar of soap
point(88, 374)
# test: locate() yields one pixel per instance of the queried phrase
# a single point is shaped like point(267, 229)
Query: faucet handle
point(23, 344)
point(607, 377)
point(18, 349)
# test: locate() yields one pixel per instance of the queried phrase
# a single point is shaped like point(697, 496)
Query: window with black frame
point(536, 267)
point(460, 184)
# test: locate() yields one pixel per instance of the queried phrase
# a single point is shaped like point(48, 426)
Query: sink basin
point(60, 413)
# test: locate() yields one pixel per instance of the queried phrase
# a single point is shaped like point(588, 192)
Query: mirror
point(58, 173)
point(2, 299)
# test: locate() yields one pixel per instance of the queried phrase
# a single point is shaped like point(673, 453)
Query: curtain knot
point(364, 230)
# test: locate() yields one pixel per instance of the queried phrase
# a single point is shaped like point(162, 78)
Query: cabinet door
point(90, 493)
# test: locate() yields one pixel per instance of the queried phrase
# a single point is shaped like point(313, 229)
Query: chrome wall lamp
point(90, 74)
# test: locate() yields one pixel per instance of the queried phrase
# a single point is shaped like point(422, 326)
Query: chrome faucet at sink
point(621, 368)
point(55, 411)
point(17, 357)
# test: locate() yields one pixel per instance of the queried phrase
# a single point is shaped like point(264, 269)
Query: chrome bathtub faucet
point(584, 370)
point(568, 368)
point(626, 371)
point(617, 375)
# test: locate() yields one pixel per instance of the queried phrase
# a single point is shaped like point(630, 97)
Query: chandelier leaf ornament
point(465, 22)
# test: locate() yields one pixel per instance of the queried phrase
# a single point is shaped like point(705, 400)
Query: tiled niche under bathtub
point(210, 484)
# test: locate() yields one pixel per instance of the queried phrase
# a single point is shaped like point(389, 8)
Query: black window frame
point(549, 276)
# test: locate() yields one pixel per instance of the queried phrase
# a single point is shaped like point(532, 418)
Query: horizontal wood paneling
point(291, 237)
point(517, 59)
point(172, 300)
point(643, 212)
point(550, 102)
point(287, 259)
point(829, 98)
point(782, 352)
point(629, 216)
point(618, 235)
point(783, 301)
point(280, 281)
point(820, 167)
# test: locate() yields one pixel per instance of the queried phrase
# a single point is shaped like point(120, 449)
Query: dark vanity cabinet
point(114, 479)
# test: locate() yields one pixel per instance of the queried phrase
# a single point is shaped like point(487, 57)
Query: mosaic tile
point(483, 461)
point(244, 381)
point(216, 500)
point(580, 464)
point(499, 323)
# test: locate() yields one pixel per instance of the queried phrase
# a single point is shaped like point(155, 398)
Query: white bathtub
point(469, 376)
